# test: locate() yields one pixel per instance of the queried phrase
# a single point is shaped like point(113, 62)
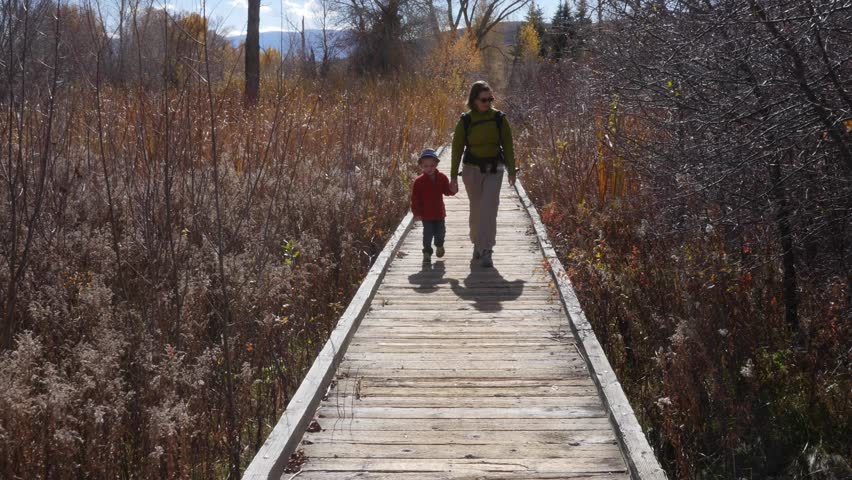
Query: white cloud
point(307, 9)
point(169, 7)
point(265, 9)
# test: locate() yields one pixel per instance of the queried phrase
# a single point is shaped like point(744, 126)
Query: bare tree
point(385, 32)
point(481, 16)
point(757, 96)
point(252, 53)
point(378, 30)
point(324, 12)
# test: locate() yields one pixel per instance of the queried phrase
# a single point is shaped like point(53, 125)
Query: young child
point(427, 203)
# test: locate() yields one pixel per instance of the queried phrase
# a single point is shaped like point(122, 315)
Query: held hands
point(512, 180)
point(418, 218)
point(454, 186)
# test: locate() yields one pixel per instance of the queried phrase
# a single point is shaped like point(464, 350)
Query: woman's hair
point(475, 90)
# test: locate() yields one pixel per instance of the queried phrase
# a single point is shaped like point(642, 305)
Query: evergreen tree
point(562, 31)
point(583, 17)
point(581, 21)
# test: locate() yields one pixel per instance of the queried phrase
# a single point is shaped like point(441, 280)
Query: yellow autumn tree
point(526, 53)
point(528, 44)
point(452, 59)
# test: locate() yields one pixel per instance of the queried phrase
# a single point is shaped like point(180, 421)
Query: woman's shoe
point(439, 251)
point(486, 261)
point(476, 254)
point(427, 258)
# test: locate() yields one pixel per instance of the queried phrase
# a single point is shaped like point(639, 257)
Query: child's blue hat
point(429, 153)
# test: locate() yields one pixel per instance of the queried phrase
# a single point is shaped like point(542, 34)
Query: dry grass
point(134, 355)
point(694, 327)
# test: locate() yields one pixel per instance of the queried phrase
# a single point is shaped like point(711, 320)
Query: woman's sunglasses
point(486, 100)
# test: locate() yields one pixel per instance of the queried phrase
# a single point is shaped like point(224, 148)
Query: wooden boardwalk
point(459, 371)
point(453, 371)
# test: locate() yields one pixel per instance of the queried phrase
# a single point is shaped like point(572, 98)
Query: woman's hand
point(454, 186)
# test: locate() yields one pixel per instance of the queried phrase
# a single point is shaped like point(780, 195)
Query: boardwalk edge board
point(640, 457)
point(271, 460)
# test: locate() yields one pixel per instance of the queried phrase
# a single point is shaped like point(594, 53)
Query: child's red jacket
point(427, 199)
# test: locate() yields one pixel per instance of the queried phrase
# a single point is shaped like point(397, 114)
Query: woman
point(483, 142)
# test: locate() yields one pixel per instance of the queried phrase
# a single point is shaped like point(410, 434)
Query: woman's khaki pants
point(483, 192)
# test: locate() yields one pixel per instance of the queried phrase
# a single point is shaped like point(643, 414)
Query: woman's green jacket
point(483, 140)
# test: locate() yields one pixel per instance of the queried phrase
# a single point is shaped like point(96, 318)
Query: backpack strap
point(466, 124)
point(498, 118)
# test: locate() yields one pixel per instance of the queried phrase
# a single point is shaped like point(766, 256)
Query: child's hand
point(454, 186)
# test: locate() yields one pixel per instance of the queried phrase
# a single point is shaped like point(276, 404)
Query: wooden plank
point(407, 285)
point(542, 323)
point(517, 466)
point(449, 475)
point(447, 293)
point(436, 314)
point(543, 362)
point(472, 307)
point(640, 457)
point(421, 393)
point(454, 356)
point(442, 290)
point(472, 383)
point(459, 303)
point(508, 373)
point(341, 450)
point(472, 331)
point(485, 341)
point(518, 347)
point(528, 339)
point(357, 411)
point(331, 425)
point(362, 399)
point(485, 437)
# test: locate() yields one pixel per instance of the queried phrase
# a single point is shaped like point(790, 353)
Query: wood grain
point(461, 372)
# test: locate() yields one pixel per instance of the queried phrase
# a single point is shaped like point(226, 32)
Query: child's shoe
point(427, 258)
point(439, 251)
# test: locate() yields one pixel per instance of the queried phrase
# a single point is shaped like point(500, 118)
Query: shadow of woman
point(487, 289)
point(429, 277)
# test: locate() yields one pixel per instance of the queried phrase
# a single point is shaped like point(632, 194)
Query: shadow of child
point(429, 277)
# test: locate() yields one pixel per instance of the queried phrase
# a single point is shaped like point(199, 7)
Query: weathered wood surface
point(466, 373)
point(453, 371)
point(638, 453)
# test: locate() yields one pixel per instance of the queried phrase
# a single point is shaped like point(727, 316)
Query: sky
point(230, 15)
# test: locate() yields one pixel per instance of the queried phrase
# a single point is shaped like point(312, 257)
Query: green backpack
point(469, 157)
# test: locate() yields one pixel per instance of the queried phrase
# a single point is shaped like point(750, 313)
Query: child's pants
point(483, 192)
point(433, 229)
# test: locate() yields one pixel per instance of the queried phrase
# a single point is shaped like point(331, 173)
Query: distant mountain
point(505, 33)
point(291, 42)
